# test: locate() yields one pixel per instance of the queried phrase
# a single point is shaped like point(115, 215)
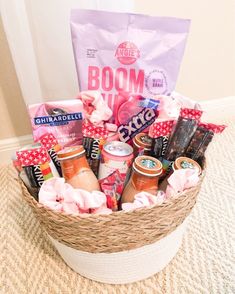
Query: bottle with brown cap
point(180, 163)
point(76, 170)
point(185, 162)
point(142, 144)
point(145, 174)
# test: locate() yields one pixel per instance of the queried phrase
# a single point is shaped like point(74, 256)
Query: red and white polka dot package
point(161, 128)
point(216, 129)
point(91, 131)
point(191, 113)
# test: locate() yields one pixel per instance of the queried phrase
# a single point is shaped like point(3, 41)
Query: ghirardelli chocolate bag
point(62, 119)
point(123, 52)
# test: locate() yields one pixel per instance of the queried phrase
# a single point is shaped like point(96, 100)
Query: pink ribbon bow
point(180, 180)
point(96, 109)
point(144, 199)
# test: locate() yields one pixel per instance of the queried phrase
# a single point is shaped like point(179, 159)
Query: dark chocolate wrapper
point(180, 138)
point(198, 144)
point(34, 175)
point(32, 190)
point(159, 146)
point(93, 149)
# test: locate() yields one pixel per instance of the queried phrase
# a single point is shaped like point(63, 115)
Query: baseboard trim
point(10, 145)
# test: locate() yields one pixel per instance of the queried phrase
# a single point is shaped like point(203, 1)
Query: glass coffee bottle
point(145, 175)
point(76, 170)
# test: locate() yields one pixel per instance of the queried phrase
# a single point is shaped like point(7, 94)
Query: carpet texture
point(204, 263)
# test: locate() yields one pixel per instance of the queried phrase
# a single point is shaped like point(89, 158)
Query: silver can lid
point(118, 148)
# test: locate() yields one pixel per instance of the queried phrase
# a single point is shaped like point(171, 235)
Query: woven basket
point(119, 231)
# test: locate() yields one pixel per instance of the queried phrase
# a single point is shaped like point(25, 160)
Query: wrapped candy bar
point(23, 176)
point(112, 186)
point(36, 165)
point(94, 138)
point(159, 131)
point(182, 134)
point(51, 144)
point(201, 139)
point(32, 190)
point(95, 128)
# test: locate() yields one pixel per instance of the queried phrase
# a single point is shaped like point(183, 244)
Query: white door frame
point(16, 25)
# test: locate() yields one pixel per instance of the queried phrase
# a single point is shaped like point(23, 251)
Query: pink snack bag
point(62, 119)
point(125, 52)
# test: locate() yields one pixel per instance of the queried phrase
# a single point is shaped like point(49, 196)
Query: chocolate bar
point(201, 139)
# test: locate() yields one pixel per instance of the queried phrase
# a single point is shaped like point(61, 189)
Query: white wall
point(208, 67)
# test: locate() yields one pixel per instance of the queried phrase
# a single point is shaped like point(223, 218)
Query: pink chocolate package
point(124, 52)
point(62, 119)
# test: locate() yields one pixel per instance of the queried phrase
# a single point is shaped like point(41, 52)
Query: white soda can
point(115, 155)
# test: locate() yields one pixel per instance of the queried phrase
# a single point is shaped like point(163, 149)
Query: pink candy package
point(62, 119)
point(124, 52)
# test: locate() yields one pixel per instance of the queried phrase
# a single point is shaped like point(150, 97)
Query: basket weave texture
point(118, 231)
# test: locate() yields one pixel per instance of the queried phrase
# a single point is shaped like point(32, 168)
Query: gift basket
point(114, 174)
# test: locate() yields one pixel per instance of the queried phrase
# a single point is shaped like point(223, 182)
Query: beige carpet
point(204, 264)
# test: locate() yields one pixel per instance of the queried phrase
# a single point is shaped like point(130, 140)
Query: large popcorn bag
point(121, 52)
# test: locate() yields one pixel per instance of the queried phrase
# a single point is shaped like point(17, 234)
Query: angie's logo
point(127, 53)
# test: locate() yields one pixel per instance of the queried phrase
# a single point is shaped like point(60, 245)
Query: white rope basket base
point(126, 266)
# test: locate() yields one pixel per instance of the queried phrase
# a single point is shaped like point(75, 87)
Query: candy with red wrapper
point(91, 131)
point(201, 139)
point(36, 164)
point(160, 131)
point(216, 129)
point(51, 144)
point(112, 186)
